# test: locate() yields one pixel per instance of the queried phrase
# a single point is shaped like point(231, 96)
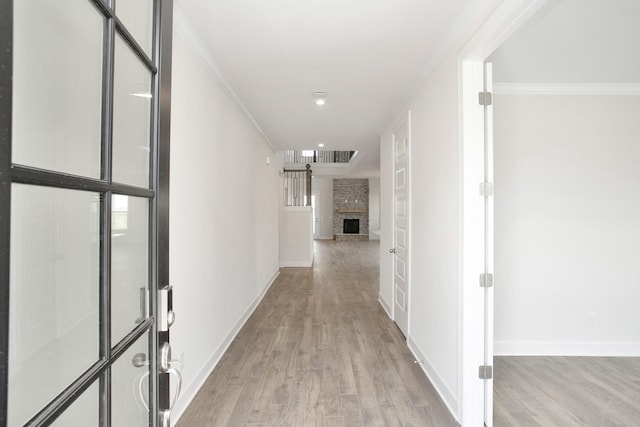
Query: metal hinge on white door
point(485, 98)
point(486, 189)
point(486, 280)
point(485, 372)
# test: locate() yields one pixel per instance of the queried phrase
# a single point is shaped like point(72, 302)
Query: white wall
point(224, 232)
point(374, 208)
point(323, 189)
point(296, 236)
point(434, 331)
point(433, 313)
point(434, 229)
point(567, 224)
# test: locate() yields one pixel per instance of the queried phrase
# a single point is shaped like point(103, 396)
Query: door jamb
point(503, 22)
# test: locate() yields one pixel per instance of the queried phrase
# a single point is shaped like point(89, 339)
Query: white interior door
point(401, 228)
point(488, 246)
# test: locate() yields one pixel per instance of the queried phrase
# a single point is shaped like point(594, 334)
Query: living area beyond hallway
point(320, 350)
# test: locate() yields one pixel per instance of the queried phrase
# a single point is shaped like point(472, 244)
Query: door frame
point(403, 120)
point(503, 22)
point(159, 211)
point(6, 101)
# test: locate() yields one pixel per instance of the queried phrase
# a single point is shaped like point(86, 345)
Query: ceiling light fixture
point(320, 98)
point(321, 145)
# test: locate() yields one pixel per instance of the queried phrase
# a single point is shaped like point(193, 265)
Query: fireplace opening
point(351, 226)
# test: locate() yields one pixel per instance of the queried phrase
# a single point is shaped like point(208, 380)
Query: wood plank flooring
point(566, 391)
point(320, 351)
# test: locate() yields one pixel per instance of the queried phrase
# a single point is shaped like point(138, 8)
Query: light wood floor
point(566, 391)
point(320, 351)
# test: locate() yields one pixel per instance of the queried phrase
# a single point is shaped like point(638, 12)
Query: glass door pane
point(57, 85)
point(130, 386)
point(83, 412)
point(129, 264)
point(131, 118)
point(54, 288)
point(137, 16)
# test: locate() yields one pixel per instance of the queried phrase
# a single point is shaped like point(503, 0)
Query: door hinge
point(486, 189)
point(486, 280)
point(485, 98)
point(485, 372)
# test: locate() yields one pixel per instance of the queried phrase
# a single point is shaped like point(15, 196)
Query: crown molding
point(624, 89)
point(188, 34)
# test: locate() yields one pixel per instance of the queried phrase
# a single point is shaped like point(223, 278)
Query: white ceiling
point(574, 41)
point(366, 54)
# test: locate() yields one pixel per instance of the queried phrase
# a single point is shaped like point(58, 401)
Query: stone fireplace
point(351, 209)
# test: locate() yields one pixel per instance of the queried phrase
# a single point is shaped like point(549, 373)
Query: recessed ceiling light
point(321, 145)
point(320, 98)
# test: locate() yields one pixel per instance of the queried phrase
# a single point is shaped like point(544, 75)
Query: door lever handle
point(392, 250)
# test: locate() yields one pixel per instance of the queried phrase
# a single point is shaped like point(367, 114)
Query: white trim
point(305, 263)
point(385, 306)
point(573, 348)
point(185, 30)
point(566, 89)
point(445, 392)
point(186, 396)
point(471, 256)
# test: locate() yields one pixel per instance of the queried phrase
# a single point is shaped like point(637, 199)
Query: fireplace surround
point(351, 206)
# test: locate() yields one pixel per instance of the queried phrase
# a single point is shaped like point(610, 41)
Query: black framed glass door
point(84, 139)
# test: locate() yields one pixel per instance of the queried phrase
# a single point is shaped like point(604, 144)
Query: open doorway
point(567, 217)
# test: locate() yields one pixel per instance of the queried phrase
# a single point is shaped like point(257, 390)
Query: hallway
point(320, 351)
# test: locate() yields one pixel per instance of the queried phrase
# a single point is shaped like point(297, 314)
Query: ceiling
point(366, 55)
point(574, 41)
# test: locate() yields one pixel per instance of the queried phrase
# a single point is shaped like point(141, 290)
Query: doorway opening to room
point(564, 192)
point(567, 223)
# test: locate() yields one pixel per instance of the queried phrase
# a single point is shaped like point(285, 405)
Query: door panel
point(401, 253)
point(79, 251)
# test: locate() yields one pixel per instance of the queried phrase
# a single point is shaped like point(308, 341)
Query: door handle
point(392, 250)
point(165, 367)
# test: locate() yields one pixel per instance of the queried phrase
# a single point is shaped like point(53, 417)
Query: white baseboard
point(450, 400)
point(385, 306)
point(190, 392)
point(296, 263)
point(559, 348)
point(324, 238)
